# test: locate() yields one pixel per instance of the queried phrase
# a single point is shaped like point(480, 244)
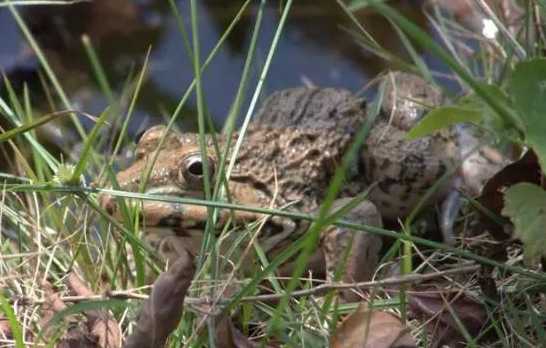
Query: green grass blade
point(311, 238)
point(181, 28)
point(50, 160)
point(201, 122)
point(98, 70)
point(277, 212)
point(209, 238)
point(33, 124)
point(47, 68)
point(13, 322)
point(88, 147)
point(7, 3)
point(15, 103)
point(132, 104)
point(259, 86)
point(443, 117)
point(189, 90)
point(428, 43)
point(235, 108)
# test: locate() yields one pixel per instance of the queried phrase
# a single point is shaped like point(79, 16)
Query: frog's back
point(292, 165)
point(296, 141)
point(319, 109)
point(402, 170)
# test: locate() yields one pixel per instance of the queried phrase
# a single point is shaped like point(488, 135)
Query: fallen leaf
point(99, 330)
point(52, 304)
point(444, 311)
point(5, 329)
point(162, 312)
point(372, 329)
point(525, 169)
point(101, 326)
point(228, 336)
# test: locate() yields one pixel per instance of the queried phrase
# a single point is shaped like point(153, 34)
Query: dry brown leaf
point(76, 338)
point(52, 304)
point(162, 312)
point(525, 169)
point(105, 330)
point(372, 329)
point(100, 330)
point(228, 336)
point(101, 326)
point(5, 329)
point(438, 307)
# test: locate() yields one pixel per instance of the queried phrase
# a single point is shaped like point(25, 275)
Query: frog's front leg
point(352, 254)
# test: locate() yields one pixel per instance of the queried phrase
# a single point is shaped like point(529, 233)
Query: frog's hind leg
point(353, 255)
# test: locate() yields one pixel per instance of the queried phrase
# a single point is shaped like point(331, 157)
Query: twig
point(323, 288)
point(318, 290)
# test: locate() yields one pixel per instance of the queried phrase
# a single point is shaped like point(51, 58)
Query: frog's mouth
point(175, 191)
point(159, 213)
point(174, 216)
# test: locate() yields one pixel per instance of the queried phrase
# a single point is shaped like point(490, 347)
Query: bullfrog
point(287, 160)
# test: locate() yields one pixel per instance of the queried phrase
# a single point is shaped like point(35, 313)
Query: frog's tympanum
point(287, 160)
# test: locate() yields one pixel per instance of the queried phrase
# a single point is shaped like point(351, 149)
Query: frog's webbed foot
point(352, 254)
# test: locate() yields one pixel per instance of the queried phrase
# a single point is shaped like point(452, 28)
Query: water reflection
point(315, 48)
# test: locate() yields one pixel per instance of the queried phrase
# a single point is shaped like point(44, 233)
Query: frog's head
point(177, 172)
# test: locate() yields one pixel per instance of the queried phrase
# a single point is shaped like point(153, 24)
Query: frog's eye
point(193, 168)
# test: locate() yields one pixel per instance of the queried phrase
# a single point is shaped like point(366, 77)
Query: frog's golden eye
point(193, 168)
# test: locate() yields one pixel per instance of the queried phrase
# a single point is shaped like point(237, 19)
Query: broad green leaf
point(528, 87)
point(443, 117)
point(490, 118)
point(525, 205)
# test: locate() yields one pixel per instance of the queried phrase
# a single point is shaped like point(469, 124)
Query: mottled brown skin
point(289, 156)
point(293, 163)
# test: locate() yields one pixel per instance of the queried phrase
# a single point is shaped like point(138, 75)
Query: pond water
point(316, 47)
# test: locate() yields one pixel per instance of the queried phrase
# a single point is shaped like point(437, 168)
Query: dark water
point(315, 47)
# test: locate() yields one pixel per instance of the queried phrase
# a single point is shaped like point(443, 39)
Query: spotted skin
point(288, 159)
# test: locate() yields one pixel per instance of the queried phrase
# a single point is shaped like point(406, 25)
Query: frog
point(288, 158)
